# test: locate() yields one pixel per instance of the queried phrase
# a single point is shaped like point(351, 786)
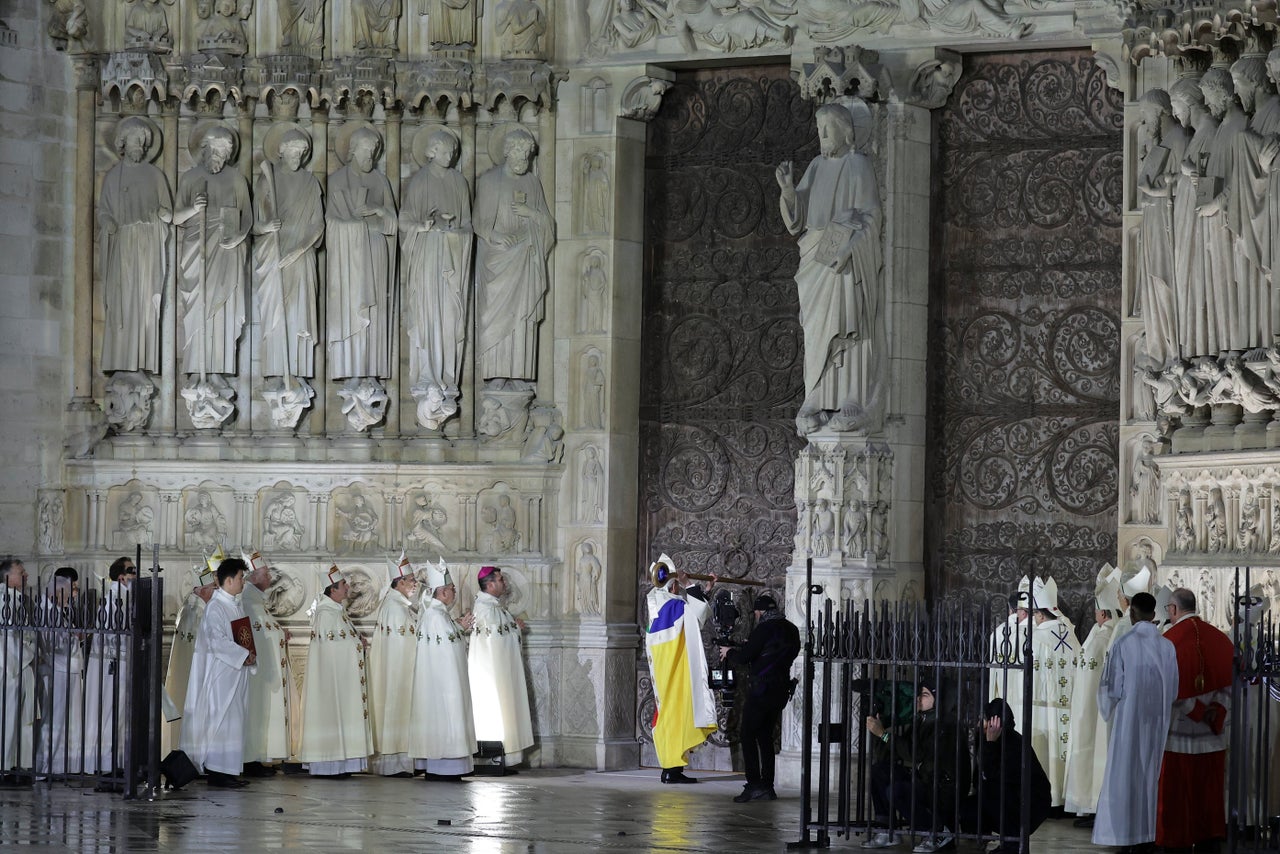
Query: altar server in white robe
point(1087, 738)
point(183, 647)
point(61, 665)
point(1136, 695)
point(106, 683)
point(1007, 642)
point(17, 662)
point(391, 658)
point(335, 703)
point(444, 736)
point(218, 691)
point(499, 693)
point(272, 693)
point(1055, 653)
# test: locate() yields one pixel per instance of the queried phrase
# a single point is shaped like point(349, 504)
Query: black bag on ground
point(177, 769)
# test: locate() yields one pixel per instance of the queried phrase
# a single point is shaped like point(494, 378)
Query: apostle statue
point(134, 212)
point(147, 26)
point(520, 27)
point(301, 23)
point(335, 706)
point(1198, 332)
point(516, 231)
point(836, 211)
point(450, 22)
point(499, 693)
point(1161, 144)
point(435, 227)
point(376, 22)
point(391, 663)
point(272, 702)
point(361, 217)
point(290, 226)
point(441, 691)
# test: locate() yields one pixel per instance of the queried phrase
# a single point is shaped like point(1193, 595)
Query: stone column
point(320, 167)
point(85, 413)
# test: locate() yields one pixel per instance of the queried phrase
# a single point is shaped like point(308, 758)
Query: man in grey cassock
point(1139, 685)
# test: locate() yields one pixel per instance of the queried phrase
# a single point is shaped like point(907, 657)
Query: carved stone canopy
point(837, 72)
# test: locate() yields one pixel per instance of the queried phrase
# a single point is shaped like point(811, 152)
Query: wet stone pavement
point(536, 811)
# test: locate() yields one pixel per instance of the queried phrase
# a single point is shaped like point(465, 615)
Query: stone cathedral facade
point(931, 294)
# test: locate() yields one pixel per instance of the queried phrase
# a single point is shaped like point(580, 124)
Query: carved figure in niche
point(933, 81)
point(128, 401)
point(1215, 522)
point(147, 26)
point(1266, 121)
point(206, 527)
point(359, 523)
point(49, 516)
point(214, 218)
point(364, 402)
point(361, 250)
point(493, 420)
point(505, 535)
point(597, 193)
point(1250, 515)
point(1274, 546)
point(593, 394)
point(1249, 389)
point(591, 487)
point(643, 97)
point(836, 211)
point(301, 23)
point(364, 596)
point(1161, 146)
point(451, 22)
point(1199, 331)
point(426, 521)
point(544, 442)
point(281, 528)
point(1207, 588)
point(1144, 486)
point(802, 527)
point(435, 228)
point(520, 28)
point(134, 211)
point(1184, 530)
point(285, 595)
point(1193, 389)
point(855, 529)
point(223, 30)
point(134, 521)
point(376, 24)
point(824, 528)
point(880, 530)
point(594, 292)
point(725, 25)
point(587, 575)
point(290, 226)
point(69, 22)
point(1165, 387)
point(516, 231)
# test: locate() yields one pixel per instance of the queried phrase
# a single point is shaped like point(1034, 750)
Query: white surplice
point(272, 694)
point(391, 661)
point(106, 683)
point(61, 670)
point(499, 693)
point(1006, 653)
point(335, 704)
point(17, 660)
point(217, 692)
point(1087, 740)
point(444, 736)
point(1139, 685)
point(179, 671)
point(1055, 653)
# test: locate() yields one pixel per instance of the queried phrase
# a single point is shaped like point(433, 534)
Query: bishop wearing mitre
point(391, 656)
point(442, 745)
point(184, 641)
point(335, 704)
point(1055, 652)
point(268, 737)
point(499, 694)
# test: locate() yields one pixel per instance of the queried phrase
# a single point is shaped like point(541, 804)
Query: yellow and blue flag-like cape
point(686, 713)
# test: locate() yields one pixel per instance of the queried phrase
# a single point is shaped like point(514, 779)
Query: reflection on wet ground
point(536, 812)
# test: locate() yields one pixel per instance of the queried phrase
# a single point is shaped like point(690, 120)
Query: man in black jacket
point(773, 644)
point(996, 805)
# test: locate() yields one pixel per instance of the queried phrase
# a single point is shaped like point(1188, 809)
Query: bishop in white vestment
point(499, 693)
point(444, 738)
point(272, 695)
point(335, 703)
point(17, 660)
point(178, 673)
point(391, 657)
point(61, 666)
point(1055, 652)
point(218, 691)
point(1087, 737)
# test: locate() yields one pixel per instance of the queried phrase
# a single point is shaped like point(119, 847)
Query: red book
point(242, 632)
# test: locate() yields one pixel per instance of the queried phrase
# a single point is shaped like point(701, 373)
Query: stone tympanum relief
point(214, 217)
point(288, 230)
point(436, 237)
point(361, 251)
point(835, 209)
point(517, 232)
point(134, 213)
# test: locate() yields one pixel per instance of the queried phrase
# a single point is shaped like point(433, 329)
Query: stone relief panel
point(424, 523)
point(50, 517)
point(593, 194)
point(587, 574)
point(593, 292)
point(366, 589)
point(500, 530)
point(1025, 327)
point(355, 520)
point(204, 518)
point(589, 487)
point(1227, 514)
point(592, 397)
point(282, 527)
point(134, 512)
point(1144, 496)
point(593, 106)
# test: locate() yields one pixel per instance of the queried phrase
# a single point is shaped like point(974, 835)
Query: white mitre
point(438, 576)
point(1136, 582)
point(1106, 589)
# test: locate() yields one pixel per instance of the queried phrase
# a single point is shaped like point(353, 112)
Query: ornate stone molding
point(838, 72)
point(432, 86)
point(1192, 26)
point(132, 70)
point(642, 98)
point(517, 82)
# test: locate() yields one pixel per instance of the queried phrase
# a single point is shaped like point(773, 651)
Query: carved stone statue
point(1144, 485)
point(50, 514)
point(134, 522)
point(364, 402)
point(146, 27)
point(436, 232)
point(425, 524)
point(836, 211)
point(1250, 516)
point(450, 22)
point(824, 528)
point(1199, 330)
point(286, 594)
point(517, 232)
point(596, 193)
point(128, 401)
point(642, 98)
point(880, 530)
point(1184, 531)
point(544, 443)
point(505, 535)
point(359, 523)
point(520, 27)
point(361, 251)
point(728, 26)
point(1266, 121)
point(590, 487)
point(134, 211)
point(594, 285)
point(1215, 522)
point(1250, 391)
point(223, 27)
point(281, 528)
point(854, 542)
point(376, 24)
point(968, 17)
point(214, 216)
point(1274, 546)
point(290, 226)
point(933, 81)
point(1161, 145)
point(206, 527)
point(593, 394)
point(587, 580)
point(301, 23)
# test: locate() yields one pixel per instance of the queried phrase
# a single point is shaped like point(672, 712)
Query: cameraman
point(910, 765)
point(773, 644)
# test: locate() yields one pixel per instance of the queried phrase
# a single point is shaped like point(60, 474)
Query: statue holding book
point(835, 210)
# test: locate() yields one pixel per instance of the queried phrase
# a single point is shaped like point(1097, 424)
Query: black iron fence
point(1253, 803)
point(80, 670)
